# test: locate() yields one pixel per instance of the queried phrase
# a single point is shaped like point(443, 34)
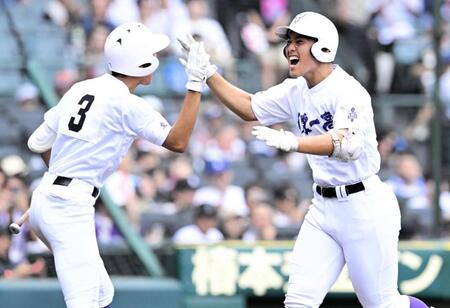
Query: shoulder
point(350, 88)
point(293, 83)
point(134, 99)
point(136, 104)
point(288, 86)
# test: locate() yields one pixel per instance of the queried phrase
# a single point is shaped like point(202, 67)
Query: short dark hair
point(205, 210)
point(118, 75)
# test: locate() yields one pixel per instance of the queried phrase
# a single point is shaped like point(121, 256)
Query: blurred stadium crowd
point(228, 185)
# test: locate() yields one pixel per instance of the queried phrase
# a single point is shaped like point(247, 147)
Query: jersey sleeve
point(353, 110)
point(141, 120)
point(51, 117)
point(272, 106)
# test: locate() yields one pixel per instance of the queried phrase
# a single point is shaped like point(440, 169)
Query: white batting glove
point(186, 43)
point(280, 139)
point(195, 67)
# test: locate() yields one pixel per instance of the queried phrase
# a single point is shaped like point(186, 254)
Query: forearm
point(179, 135)
point(317, 145)
point(234, 98)
point(289, 142)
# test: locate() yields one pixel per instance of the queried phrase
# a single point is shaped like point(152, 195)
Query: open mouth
point(293, 60)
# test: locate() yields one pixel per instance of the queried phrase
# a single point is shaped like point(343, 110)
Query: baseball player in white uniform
point(354, 218)
point(83, 139)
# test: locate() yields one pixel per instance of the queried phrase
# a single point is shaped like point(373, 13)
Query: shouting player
point(354, 218)
point(83, 139)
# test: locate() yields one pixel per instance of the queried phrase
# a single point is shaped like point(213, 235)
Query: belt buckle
point(342, 192)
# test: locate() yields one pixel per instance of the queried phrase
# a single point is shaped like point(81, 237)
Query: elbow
point(34, 146)
point(180, 149)
point(177, 147)
point(247, 118)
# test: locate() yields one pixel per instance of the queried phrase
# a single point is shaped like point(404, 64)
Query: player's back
point(91, 137)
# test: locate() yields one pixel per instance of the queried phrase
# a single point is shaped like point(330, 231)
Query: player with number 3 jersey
point(83, 139)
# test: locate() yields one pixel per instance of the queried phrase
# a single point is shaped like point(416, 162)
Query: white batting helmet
point(131, 47)
point(319, 27)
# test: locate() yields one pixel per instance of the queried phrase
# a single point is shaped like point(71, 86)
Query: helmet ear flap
point(153, 65)
point(285, 51)
point(321, 52)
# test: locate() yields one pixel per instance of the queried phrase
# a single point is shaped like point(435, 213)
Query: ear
point(285, 51)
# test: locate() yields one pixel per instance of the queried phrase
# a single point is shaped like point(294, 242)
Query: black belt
point(63, 181)
point(330, 192)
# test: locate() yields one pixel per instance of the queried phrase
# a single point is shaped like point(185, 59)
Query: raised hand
point(186, 43)
point(195, 65)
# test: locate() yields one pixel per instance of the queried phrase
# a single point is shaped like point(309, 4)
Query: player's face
point(298, 51)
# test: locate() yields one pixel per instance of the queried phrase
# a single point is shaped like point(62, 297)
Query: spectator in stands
point(13, 165)
point(287, 210)
point(227, 143)
point(258, 35)
point(11, 270)
point(96, 16)
point(4, 200)
point(203, 230)
point(94, 63)
point(180, 167)
point(182, 205)
point(164, 16)
point(261, 224)
point(105, 229)
point(122, 188)
point(19, 199)
point(232, 224)
point(255, 193)
point(29, 110)
point(352, 18)
point(146, 192)
point(393, 21)
point(220, 192)
point(202, 26)
point(64, 79)
point(386, 147)
point(411, 189)
point(444, 89)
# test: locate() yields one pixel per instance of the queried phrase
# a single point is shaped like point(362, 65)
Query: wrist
point(291, 141)
point(211, 69)
point(196, 86)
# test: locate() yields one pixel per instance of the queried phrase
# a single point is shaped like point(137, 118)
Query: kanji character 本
point(260, 274)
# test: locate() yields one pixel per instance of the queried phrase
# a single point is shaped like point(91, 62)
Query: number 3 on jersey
point(76, 122)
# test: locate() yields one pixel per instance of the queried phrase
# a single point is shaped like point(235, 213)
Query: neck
point(319, 74)
point(130, 82)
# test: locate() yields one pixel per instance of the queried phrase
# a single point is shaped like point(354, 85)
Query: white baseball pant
point(64, 217)
point(360, 230)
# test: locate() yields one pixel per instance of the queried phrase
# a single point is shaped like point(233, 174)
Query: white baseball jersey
point(339, 101)
point(96, 121)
